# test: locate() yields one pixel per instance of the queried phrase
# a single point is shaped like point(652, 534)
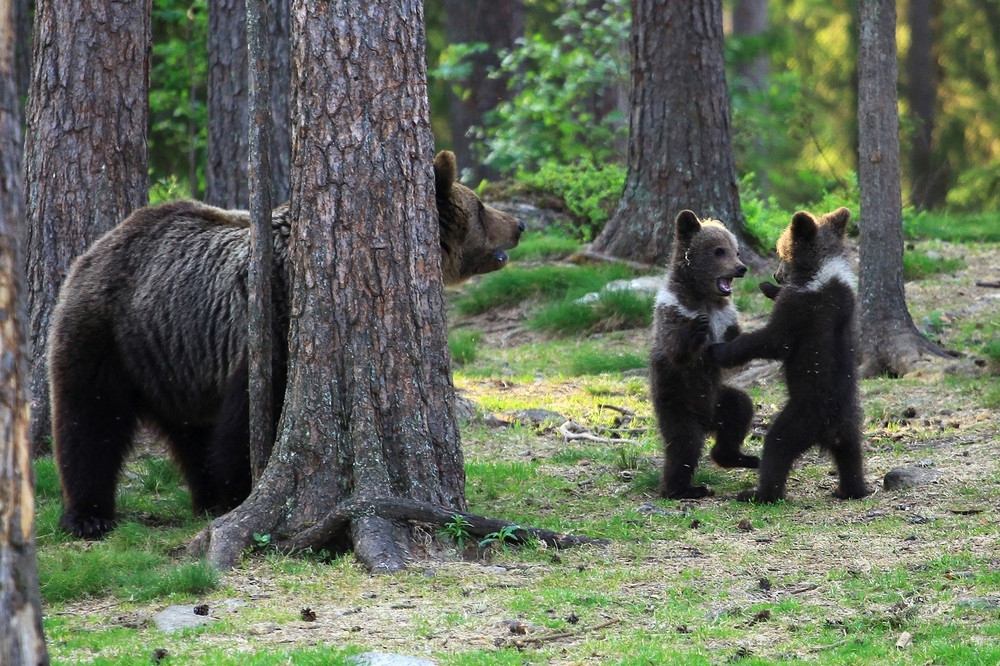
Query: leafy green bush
point(590, 191)
point(552, 116)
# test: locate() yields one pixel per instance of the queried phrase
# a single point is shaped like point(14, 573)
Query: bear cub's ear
point(445, 171)
point(686, 226)
point(803, 226)
point(838, 220)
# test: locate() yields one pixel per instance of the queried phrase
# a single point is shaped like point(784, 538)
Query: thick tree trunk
point(369, 410)
point(929, 185)
point(21, 637)
point(496, 23)
point(680, 151)
point(226, 171)
point(890, 343)
point(85, 157)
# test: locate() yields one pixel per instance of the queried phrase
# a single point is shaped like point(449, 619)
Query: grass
point(707, 582)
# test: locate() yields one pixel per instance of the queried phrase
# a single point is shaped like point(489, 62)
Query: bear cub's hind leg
point(733, 416)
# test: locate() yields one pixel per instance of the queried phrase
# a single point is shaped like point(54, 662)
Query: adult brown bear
point(151, 328)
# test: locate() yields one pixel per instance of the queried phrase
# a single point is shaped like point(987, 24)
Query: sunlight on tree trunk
point(680, 152)
point(890, 343)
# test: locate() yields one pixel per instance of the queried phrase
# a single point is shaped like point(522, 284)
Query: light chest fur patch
point(718, 320)
point(838, 268)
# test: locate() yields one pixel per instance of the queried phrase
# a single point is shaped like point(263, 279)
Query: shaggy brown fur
point(812, 330)
point(151, 327)
point(693, 310)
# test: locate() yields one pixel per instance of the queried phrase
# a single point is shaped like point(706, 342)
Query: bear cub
point(151, 327)
point(693, 310)
point(811, 329)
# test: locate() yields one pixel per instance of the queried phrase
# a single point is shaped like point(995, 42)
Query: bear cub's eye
point(720, 252)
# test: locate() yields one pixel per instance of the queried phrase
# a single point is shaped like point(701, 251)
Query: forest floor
point(905, 576)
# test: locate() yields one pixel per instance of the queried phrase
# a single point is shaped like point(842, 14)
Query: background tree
point(680, 152)
point(226, 172)
point(85, 152)
point(485, 27)
point(928, 177)
point(21, 637)
point(890, 343)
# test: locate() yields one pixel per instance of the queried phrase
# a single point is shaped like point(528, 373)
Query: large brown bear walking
point(693, 310)
point(811, 329)
point(151, 326)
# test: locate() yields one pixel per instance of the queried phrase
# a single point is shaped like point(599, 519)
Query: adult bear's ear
point(803, 226)
point(686, 226)
point(837, 220)
point(445, 172)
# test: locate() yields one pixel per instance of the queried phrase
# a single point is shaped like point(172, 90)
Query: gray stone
point(910, 477)
point(175, 618)
point(538, 417)
point(386, 659)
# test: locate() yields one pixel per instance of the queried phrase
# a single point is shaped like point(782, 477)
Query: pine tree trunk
point(21, 637)
point(85, 156)
point(680, 151)
point(227, 167)
point(369, 410)
point(890, 343)
point(496, 23)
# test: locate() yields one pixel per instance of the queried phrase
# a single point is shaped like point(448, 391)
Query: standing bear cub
point(151, 327)
point(694, 309)
point(811, 329)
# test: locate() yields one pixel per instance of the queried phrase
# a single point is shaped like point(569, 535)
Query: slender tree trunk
point(929, 185)
point(21, 638)
point(85, 156)
point(496, 23)
point(369, 410)
point(680, 151)
point(227, 179)
point(259, 338)
point(890, 343)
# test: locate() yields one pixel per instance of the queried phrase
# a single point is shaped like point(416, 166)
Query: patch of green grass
point(515, 285)
point(595, 362)
point(537, 247)
point(921, 265)
point(613, 310)
point(981, 227)
point(464, 345)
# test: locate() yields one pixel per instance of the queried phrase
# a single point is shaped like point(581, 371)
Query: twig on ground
point(572, 431)
point(524, 642)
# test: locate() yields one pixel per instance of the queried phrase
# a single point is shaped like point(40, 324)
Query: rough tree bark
point(85, 154)
point(226, 170)
point(680, 151)
point(21, 639)
point(259, 338)
point(369, 422)
point(496, 23)
point(890, 343)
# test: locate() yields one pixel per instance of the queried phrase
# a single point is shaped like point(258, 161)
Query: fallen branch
point(537, 640)
point(573, 431)
point(990, 285)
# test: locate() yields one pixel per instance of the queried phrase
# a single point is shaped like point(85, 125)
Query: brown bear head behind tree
point(705, 259)
point(474, 237)
point(810, 244)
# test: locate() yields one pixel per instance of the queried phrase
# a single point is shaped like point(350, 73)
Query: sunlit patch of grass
point(982, 227)
point(611, 311)
point(464, 345)
point(920, 265)
point(535, 247)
